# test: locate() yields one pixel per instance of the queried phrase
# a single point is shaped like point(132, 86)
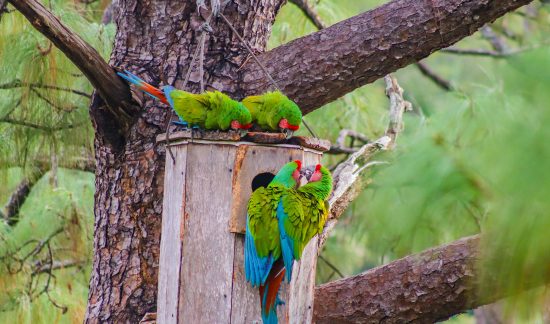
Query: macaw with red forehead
point(209, 110)
point(302, 214)
point(274, 111)
point(264, 266)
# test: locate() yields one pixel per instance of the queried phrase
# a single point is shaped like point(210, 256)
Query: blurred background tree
point(473, 158)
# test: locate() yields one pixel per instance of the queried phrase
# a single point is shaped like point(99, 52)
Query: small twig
point(310, 13)
point(49, 102)
point(484, 52)
point(430, 74)
point(332, 266)
point(56, 265)
point(496, 42)
point(340, 146)
point(398, 105)
point(19, 84)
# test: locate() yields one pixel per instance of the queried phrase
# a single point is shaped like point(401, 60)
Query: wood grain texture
point(170, 243)
point(245, 299)
point(318, 68)
point(207, 255)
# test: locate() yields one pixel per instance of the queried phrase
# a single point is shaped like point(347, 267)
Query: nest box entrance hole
point(261, 180)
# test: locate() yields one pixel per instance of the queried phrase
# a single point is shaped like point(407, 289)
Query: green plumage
point(268, 109)
point(307, 211)
point(262, 212)
point(209, 110)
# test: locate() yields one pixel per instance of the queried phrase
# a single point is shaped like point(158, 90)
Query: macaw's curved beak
point(287, 128)
point(305, 174)
point(243, 132)
point(288, 133)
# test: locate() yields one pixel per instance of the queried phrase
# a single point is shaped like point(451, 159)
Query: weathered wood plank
point(170, 243)
point(245, 299)
point(208, 247)
point(249, 162)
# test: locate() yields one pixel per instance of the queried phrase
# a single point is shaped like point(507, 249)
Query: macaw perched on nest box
point(211, 110)
point(281, 221)
point(274, 111)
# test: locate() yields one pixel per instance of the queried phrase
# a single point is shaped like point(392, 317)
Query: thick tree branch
point(423, 288)
point(109, 86)
point(321, 67)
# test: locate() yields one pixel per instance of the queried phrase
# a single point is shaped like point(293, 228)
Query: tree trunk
point(154, 40)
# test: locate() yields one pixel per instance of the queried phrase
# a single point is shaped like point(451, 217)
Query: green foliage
point(44, 123)
point(56, 221)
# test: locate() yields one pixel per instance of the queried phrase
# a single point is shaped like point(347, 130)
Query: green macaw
point(208, 110)
point(281, 221)
point(303, 214)
point(275, 112)
point(264, 266)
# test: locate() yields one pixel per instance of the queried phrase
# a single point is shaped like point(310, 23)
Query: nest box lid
point(317, 144)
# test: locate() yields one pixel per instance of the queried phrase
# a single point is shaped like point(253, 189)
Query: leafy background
point(473, 159)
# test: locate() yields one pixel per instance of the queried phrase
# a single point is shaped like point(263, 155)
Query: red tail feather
point(154, 91)
point(273, 283)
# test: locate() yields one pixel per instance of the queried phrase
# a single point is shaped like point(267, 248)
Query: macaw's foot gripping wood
point(207, 186)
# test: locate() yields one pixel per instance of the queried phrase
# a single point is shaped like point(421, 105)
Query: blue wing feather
point(167, 90)
point(256, 268)
point(287, 243)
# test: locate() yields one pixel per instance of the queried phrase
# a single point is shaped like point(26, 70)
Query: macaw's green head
point(319, 180)
point(241, 120)
point(289, 175)
point(288, 113)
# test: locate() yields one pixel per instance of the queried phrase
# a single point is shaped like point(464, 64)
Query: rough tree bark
point(423, 288)
point(156, 39)
point(129, 183)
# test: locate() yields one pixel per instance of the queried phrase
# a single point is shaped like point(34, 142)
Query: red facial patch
point(285, 125)
point(299, 163)
point(247, 126)
point(317, 167)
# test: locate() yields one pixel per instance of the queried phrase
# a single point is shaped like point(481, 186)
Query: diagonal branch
point(430, 74)
point(18, 197)
point(321, 67)
point(424, 288)
point(109, 86)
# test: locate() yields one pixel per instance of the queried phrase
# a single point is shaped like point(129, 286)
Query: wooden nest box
point(206, 191)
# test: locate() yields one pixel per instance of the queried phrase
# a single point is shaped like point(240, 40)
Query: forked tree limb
point(323, 66)
point(347, 182)
point(109, 86)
